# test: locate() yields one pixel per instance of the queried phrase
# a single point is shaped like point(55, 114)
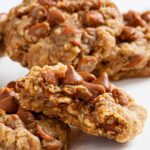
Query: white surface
point(138, 88)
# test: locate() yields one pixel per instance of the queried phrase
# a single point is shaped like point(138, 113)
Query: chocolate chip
point(120, 97)
point(7, 101)
point(55, 17)
point(12, 85)
point(95, 89)
point(93, 19)
point(49, 77)
point(37, 31)
point(83, 93)
point(88, 77)
point(146, 16)
point(103, 80)
point(71, 76)
point(128, 34)
point(38, 13)
point(25, 116)
point(109, 127)
point(135, 60)
point(134, 19)
point(48, 3)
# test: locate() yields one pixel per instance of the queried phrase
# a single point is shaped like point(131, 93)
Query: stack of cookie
point(72, 48)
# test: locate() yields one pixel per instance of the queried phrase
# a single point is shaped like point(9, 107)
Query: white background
point(138, 88)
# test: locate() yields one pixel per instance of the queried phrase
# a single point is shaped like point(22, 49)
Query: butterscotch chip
point(97, 107)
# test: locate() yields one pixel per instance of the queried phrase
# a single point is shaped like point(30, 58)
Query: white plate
point(138, 88)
